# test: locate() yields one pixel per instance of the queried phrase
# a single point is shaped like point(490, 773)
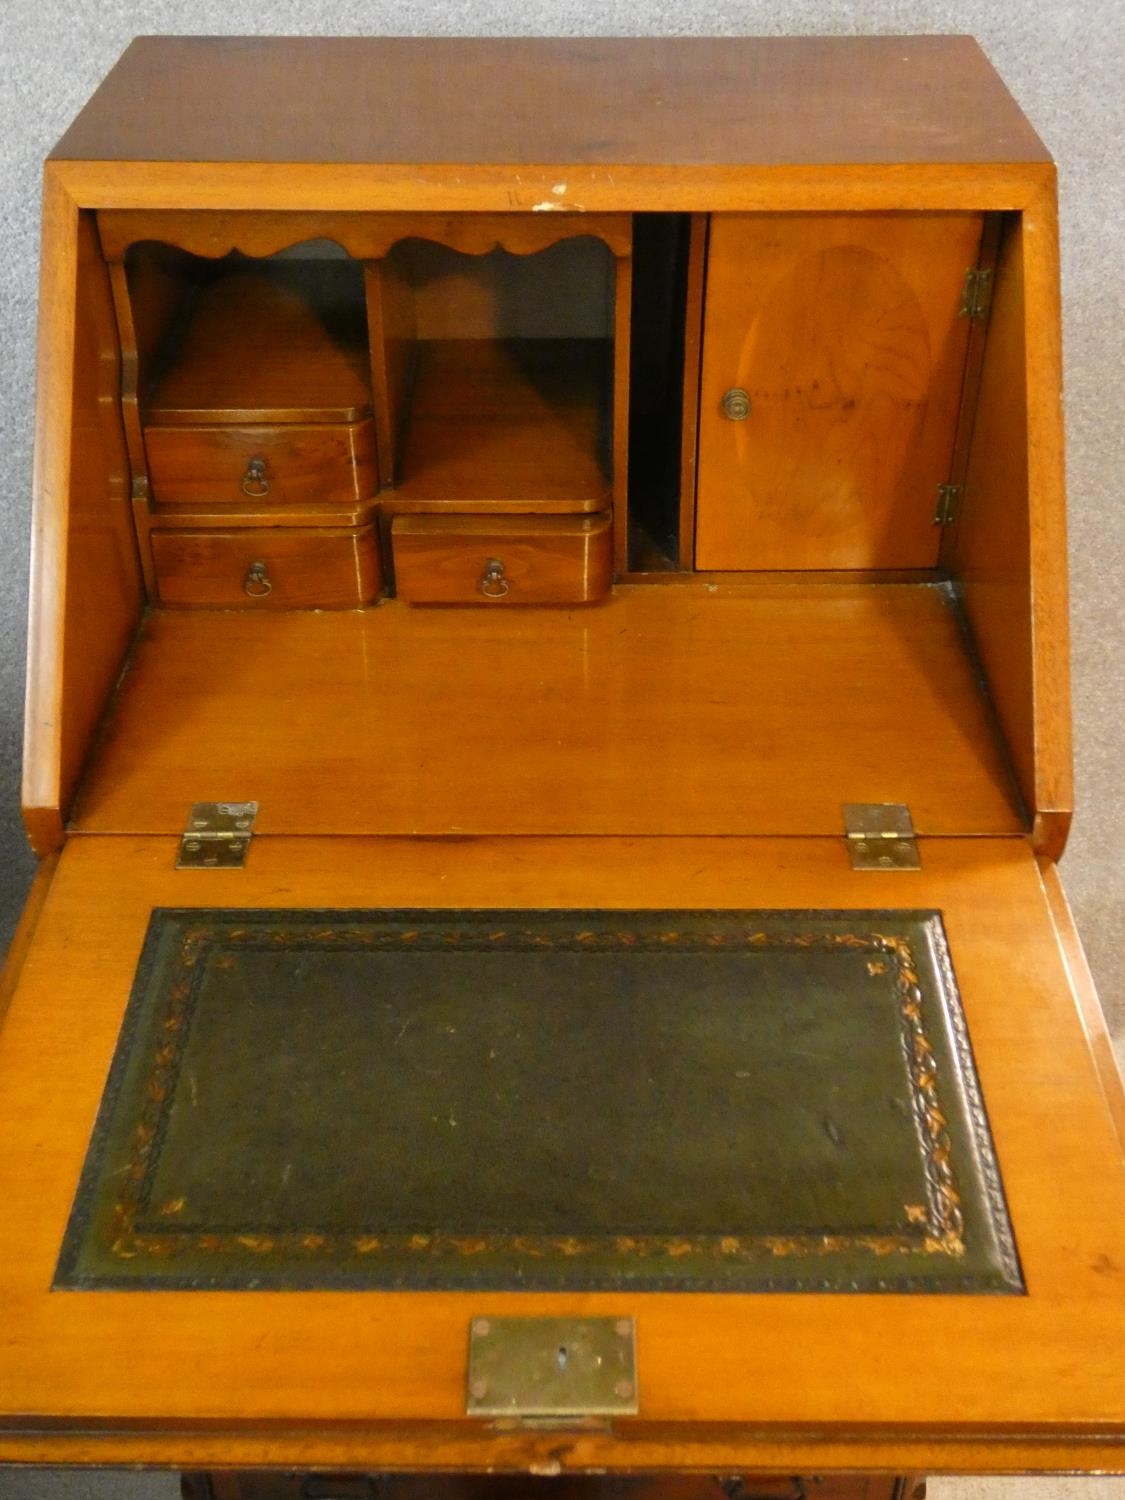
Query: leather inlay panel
point(561, 1100)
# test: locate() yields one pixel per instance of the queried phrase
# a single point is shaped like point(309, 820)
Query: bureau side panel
point(1009, 552)
point(86, 587)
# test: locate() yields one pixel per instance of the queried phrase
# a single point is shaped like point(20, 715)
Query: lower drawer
point(281, 465)
point(502, 559)
point(262, 568)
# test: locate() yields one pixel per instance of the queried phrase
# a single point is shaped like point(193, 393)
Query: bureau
point(548, 739)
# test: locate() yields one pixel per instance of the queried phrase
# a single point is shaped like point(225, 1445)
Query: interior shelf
point(511, 424)
point(279, 340)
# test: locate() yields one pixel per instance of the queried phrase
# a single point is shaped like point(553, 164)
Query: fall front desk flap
point(744, 1101)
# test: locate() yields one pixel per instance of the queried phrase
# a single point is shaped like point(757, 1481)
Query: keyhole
point(564, 1356)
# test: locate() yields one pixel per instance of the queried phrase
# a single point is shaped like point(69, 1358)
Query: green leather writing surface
point(713, 1100)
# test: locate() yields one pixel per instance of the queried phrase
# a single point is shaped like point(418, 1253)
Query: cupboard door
point(842, 334)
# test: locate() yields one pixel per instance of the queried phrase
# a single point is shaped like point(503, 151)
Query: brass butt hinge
point(217, 836)
point(977, 292)
point(880, 836)
point(948, 504)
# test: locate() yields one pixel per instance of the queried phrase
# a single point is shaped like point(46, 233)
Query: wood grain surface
point(726, 710)
point(86, 589)
point(519, 425)
point(281, 341)
point(299, 464)
point(365, 236)
point(536, 560)
point(845, 335)
point(268, 569)
point(1009, 553)
point(742, 100)
point(990, 1382)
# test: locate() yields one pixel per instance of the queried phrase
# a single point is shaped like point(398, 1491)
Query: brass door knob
point(493, 584)
point(736, 404)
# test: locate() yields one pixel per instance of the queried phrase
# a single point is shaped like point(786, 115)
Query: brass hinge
point(217, 836)
point(976, 292)
point(880, 836)
point(948, 502)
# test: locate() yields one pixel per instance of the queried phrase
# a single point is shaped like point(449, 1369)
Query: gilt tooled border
point(940, 1233)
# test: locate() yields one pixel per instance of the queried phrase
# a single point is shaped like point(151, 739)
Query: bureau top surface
point(722, 101)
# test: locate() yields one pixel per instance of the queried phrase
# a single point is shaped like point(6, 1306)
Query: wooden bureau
point(563, 541)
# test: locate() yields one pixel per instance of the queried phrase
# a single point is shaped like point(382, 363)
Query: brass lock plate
point(552, 1367)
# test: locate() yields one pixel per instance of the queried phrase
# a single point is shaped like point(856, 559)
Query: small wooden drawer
point(262, 466)
point(500, 560)
point(260, 568)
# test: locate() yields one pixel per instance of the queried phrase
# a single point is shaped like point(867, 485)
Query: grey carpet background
point(1063, 61)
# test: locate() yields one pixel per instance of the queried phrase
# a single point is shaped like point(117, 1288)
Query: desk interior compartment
point(504, 363)
point(247, 401)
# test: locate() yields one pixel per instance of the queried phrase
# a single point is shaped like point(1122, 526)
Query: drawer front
point(261, 466)
point(264, 569)
point(502, 560)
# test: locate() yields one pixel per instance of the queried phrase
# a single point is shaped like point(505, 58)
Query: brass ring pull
point(257, 583)
point(736, 404)
point(254, 481)
point(493, 584)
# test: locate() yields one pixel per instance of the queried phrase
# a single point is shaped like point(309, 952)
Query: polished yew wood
point(633, 187)
point(738, 709)
point(221, 515)
point(1009, 549)
point(516, 425)
point(392, 332)
point(365, 236)
point(86, 587)
point(336, 187)
point(483, 404)
point(281, 342)
point(306, 568)
point(25, 930)
point(848, 341)
point(301, 464)
point(686, 745)
point(147, 297)
point(552, 560)
point(742, 101)
point(1085, 994)
point(379, 1381)
point(977, 342)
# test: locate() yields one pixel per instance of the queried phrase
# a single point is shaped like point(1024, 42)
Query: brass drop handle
point(254, 481)
point(493, 584)
point(257, 581)
point(736, 404)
